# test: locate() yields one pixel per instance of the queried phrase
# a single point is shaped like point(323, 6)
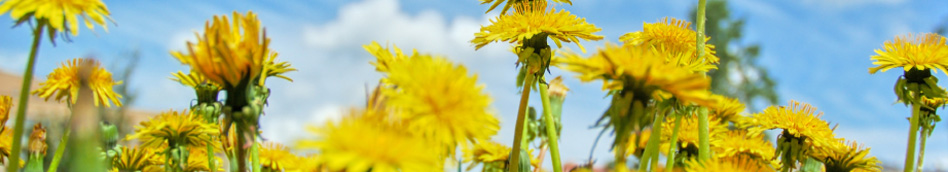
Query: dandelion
point(6, 102)
point(172, 128)
point(37, 141)
point(276, 157)
point(738, 143)
point(461, 112)
point(803, 132)
point(197, 160)
point(193, 80)
point(927, 51)
point(533, 18)
point(495, 3)
point(726, 164)
point(492, 155)
point(675, 37)
point(352, 144)
point(61, 15)
point(135, 159)
point(64, 83)
point(844, 156)
point(6, 141)
point(622, 68)
point(726, 108)
point(230, 54)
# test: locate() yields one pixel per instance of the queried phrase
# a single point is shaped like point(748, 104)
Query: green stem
point(704, 145)
point(921, 149)
point(670, 162)
point(239, 147)
point(24, 97)
point(913, 133)
point(550, 128)
point(704, 142)
point(255, 156)
point(518, 134)
point(211, 163)
point(59, 151)
point(651, 149)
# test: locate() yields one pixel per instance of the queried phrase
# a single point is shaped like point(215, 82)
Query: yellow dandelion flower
point(676, 37)
point(136, 158)
point(639, 67)
point(64, 83)
point(353, 144)
point(6, 103)
point(61, 15)
point(930, 103)
point(726, 164)
point(688, 133)
point(235, 53)
point(533, 18)
point(462, 110)
point(803, 132)
point(37, 141)
point(173, 128)
point(307, 164)
point(491, 155)
point(927, 51)
point(495, 3)
point(726, 108)
point(738, 143)
point(276, 157)
point(850, 156)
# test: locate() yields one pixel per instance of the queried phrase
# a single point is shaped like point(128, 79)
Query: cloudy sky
point(817, 51)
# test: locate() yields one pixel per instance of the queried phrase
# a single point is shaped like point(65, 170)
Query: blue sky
point(817, 51)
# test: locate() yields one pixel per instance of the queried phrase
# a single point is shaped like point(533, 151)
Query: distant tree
point(738, 74)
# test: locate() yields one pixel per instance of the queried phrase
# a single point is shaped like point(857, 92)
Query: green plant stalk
point(704, 145)
point(239, 147)
point(255, 156)
point(550, 128)
point(521, 115)
point(672, 150)
point(913, 133)
point(211, 163)
point(651, 149)
point(655, 149)
point(58, 156)
point(24, 97)
point(35, 163)
point(921, 149)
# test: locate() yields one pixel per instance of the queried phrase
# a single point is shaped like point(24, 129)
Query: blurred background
point(772, 52)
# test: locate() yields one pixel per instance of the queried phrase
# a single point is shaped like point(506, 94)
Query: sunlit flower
point(675, 37)
point(64, 83)
point(737, 143)
point(6, 142)
point(639, 67)
point(495, 3)
point(197, 160)
point(532, 18)
point(803, 132)
point(192, 79)
point(37, 141)
point(61, 15)
point(233, 53)
point(438, 99)
point(726, 164)
point(491, 155)
point(726, 108)
point(6, 103)
point(927, 51)
point(136, 158)
point(850, 156)
point(356, 143)
point(277, 157)
point(175, 128)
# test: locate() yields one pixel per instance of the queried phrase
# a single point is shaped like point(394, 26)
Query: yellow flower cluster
point(673, 36)
point(61, 15)
point(175, 128)
point(532, 18)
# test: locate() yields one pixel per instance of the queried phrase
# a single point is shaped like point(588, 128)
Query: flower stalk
point(24, 98)
point(704, 144)
point(521, 118)
point(672, 150)
point(550, 127)
point(913, 135)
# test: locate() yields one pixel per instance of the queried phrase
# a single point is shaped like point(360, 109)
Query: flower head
point(6, 141)
point(726, 108)
point(532, 18)
point(175, 128)
point(927, 51)
point(64, 83)
point(352, 144)
point(737, 143)
point(803, 132)
point(495, 3)
point(642, 68)
point(6, 102)
point(231, 54)
point(38, 140)
point(136, 158)
point(61, 15)
point(675, 37)
point(277, 157)
point(437, 99)
point(844, 156)
point(727, 164)
point(197, 160)
point(193, 79)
